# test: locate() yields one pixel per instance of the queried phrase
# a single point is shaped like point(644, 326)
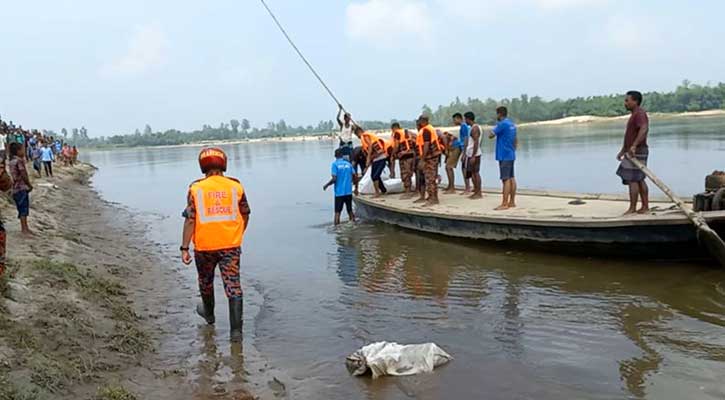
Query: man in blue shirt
point(342, 172)
point(506, 143)
point(453, 153)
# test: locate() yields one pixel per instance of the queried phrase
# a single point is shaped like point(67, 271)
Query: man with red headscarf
point(217, 215)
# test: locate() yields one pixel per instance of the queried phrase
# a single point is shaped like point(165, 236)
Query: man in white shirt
point(347, 127)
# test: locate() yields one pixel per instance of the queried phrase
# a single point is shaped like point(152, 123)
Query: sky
point(116, 66)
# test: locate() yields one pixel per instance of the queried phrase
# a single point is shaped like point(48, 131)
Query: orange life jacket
point(383, 146)
point(366, 139)
point(389, 145)
point(402, 139)
point(219, 224)
point(435, 145)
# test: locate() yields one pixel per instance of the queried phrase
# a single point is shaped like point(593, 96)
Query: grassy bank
point(62, 326)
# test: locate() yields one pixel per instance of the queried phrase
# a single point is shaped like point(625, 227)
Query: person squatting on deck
point(346, 129)
point(342, 177)
point(506, 143)
point(429, 151)
point(635, 144)
point(216, 217)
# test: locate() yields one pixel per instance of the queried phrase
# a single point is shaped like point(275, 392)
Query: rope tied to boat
point(304, 59)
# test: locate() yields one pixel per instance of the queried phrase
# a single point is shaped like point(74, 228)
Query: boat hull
point(652, 240)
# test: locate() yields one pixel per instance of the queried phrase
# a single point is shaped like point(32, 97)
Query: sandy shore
point(385, 133)
point(591, 119)
point(87, 302)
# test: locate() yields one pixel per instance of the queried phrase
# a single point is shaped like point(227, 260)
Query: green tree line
point(686, 97)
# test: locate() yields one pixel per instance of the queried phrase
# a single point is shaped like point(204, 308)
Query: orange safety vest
point(402, 139)
point(435, 144)
point(389, 144)
point(219, 224)
point(366, 139)
point(383, 146)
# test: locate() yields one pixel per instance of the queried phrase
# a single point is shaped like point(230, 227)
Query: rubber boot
point(205, 308)
point(236, 312)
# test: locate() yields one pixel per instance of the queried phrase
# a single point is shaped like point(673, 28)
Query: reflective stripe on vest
point(366, 139)
point(204, 219)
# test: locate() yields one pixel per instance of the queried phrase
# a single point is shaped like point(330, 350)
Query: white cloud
point(386, 22)
point(146, 51)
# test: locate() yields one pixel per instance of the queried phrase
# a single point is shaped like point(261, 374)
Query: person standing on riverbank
point(635, 145)
point(47, 157)
point(342, 176)
point(35, 157)
point(21, 185)
point(216, 217)
point(347, 127)
point(429, 149)
point(506, 143)
point(473, 155)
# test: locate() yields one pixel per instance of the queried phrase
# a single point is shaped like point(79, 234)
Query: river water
point(519, 324)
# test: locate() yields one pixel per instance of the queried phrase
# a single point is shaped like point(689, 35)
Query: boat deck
point(538, 207)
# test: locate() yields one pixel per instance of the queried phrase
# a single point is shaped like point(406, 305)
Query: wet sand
point(91, 307)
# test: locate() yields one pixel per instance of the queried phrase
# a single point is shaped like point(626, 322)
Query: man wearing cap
point(216, 217)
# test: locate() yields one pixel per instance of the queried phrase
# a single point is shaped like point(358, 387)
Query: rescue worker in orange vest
point(403, 151)
point(429, 151)
point(375, 158)
point(217, 215)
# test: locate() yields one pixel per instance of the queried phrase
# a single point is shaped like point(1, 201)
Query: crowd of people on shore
point(18, 147)
point(419, 153)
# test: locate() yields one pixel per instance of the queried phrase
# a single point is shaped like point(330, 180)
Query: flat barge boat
point(590, 224)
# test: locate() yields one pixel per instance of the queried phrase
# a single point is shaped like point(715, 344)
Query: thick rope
point(284, 32)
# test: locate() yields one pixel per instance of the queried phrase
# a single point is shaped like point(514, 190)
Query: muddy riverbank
point(90, 308)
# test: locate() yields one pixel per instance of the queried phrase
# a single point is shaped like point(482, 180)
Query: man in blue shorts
point(506, 143)
point(342, 172)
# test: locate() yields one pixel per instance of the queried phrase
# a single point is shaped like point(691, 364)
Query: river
point(519, 324)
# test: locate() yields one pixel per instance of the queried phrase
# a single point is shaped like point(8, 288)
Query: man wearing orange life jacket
point(217, 215)
point(404, 151)
point(376, 158)
point(429, 150)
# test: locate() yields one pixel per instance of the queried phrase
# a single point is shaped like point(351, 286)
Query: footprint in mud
point(279, 388)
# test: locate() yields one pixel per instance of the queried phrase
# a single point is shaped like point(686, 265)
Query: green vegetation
point(687, 97)
point(81, 330)
point(114, 392)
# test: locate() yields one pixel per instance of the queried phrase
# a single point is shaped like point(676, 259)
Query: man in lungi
point(635, 144)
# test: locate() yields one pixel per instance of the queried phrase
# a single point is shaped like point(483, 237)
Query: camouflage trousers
point(3, 238)
point(407, 169)
point(228, 262)
point(430, 171)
